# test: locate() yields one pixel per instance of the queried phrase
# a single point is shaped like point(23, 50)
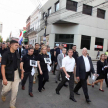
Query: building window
point(56, 6)
point(87, 9)
point(67, 38)
point(100, 13)
point(49, 11)
point(85, 42)
point(71, 5)
point(99, 44)
point(43, 15)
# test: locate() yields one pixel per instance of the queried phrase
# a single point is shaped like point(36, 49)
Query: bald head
point(84, 51)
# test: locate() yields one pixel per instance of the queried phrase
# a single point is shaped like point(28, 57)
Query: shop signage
point(99, 46)
point(65, 45)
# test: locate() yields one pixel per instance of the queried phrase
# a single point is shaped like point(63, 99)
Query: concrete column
point(77, 41)
point(92, 52)
point(105, 45)
point(51, 40)
point(92, 45)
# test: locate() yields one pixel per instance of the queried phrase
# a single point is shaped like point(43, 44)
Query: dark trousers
point(42, 79)
point(106, 79)
point(71, 83)
point(26, 75)
point(55, 65)
point(83, 83)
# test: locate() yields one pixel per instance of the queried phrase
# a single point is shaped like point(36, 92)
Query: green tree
point(0, 39)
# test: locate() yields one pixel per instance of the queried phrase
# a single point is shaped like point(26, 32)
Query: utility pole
point(45, 23)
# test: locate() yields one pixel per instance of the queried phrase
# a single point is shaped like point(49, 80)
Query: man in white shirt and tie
point(83, 70)
point(68, 65)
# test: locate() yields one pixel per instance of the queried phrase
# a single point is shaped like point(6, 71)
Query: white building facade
point(34, 26)
point(80, 22)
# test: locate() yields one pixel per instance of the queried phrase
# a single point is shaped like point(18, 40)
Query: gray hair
point(64, 49)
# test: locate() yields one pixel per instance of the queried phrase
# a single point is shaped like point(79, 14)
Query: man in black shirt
point(11, 72)
point(36, 53)
point(25, 64)
point(36, 50)
point(75, 56)
point(3, 49)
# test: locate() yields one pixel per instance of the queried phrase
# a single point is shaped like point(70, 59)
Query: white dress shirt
point(87, 63)
point(68, 63)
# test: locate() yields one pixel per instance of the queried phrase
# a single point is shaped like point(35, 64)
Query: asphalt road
point(49, 99)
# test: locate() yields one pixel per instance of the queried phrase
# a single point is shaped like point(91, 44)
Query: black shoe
point(39, 91)
point(43, 88)
point(88, 100)
point(59, 80)
point(65, 85)
point(76, 93)
point(107, 86)
point(56, 82)
point(57, 92)
point(73, 99)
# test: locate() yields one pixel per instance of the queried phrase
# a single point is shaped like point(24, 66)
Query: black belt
point(69, 72)
point(88, 71)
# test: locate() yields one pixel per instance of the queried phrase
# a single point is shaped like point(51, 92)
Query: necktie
point(64, 55)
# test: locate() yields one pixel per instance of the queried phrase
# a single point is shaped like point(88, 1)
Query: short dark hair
point(74, 45)
point(42, 43)
point(3, 43)
point(61, 45)
point(30, 48)
point(36, 43)
point(13, 41)
point(48, 46)
point(70, 50)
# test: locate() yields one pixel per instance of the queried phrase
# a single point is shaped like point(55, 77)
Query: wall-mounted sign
point(65, 45)
point(99, 46)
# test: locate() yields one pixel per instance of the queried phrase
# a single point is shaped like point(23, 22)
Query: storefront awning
point(64, 22)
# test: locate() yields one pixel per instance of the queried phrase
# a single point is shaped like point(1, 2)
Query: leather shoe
point(65, 85)
point(88, 100)
point(23, 88)
point(57, 92)
point(73, 99)
point(76, 93)
point(56, 82)
point(31, 95)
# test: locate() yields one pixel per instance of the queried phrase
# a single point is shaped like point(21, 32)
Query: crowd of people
point(67, 66)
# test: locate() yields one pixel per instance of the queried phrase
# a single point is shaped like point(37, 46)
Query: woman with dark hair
point(42, 67)
point(101, 72)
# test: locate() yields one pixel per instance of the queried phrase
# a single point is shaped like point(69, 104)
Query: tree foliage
point(0, 39)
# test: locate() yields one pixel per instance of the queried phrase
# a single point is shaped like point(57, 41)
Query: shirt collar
point(69, 57)
point(84, 56)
